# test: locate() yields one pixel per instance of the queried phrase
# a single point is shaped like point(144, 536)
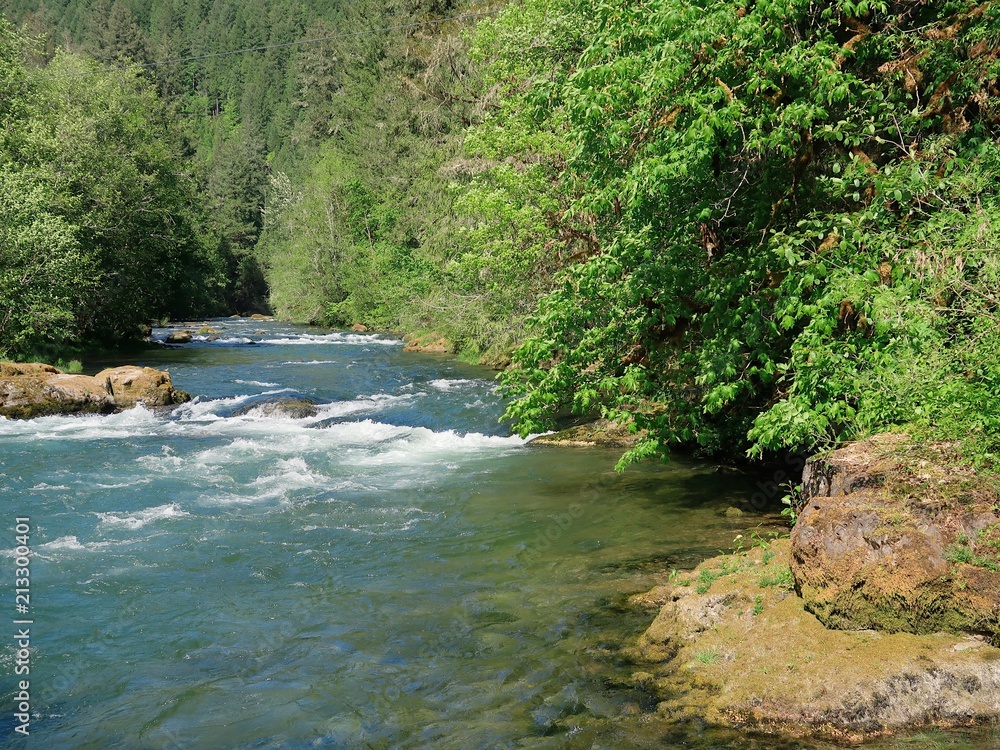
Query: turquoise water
point(396, 571)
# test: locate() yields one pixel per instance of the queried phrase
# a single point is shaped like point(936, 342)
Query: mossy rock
point(734, 645)
point(889, 539)
point(601, 433)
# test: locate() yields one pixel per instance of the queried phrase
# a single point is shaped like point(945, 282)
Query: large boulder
point(37, 390)
point(34, 390)
point(130, 385)
point(898, 538)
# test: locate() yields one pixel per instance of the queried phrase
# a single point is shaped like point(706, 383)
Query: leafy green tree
point(765, 181)
point(43, 273)
point(99, 219)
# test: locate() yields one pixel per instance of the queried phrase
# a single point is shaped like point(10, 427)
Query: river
point(396, 571)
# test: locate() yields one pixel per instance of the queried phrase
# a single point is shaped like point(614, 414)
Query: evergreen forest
point(742, 227)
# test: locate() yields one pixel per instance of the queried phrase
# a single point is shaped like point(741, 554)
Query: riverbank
point(733, 645)
point(878, 615)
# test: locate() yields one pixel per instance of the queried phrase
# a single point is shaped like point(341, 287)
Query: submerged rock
point(599, 434)
point(734, 645)
point(898, 538)
point(34, 390)
point(293, 408)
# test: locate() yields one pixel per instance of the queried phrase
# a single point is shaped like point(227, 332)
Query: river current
point(396, 571)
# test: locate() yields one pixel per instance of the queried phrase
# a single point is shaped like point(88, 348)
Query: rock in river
point(34, 390)
point(178, 337)
point(293, 408)
point(130, 385)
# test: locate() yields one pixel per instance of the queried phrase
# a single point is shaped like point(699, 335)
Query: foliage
point(43, 274)
point(796, 207)
point(97, 218)
point(744, 227)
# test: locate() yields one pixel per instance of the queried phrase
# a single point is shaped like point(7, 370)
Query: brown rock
point(891, 540)
point(179, 337)
point(131, 385)
point(732, 645)
point(34, 390)
point(10, 369)
point(38, 390)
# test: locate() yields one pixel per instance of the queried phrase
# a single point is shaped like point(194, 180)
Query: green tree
point(99, 219)
point(766, 182)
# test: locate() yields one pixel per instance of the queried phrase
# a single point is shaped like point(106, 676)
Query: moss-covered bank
point(733, 644)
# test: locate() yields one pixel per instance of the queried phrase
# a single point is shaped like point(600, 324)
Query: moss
point(601, 433)
point(766, 663)
point(777, 575)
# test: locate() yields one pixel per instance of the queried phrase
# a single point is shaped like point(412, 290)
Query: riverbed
point(397, 570)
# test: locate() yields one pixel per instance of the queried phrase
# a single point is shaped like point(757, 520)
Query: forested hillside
point(740, 226)
point(99, 224)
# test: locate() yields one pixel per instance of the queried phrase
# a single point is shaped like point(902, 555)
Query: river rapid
point(397, 571)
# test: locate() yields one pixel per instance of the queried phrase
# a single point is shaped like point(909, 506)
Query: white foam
point(41, 487)
point(131, 423)
point(63, 542)
point(123, 485)
point(350, 339)
point(309, 463)
point(450, 384)
point(229, 341)
point(314, 362)
point(361, 404)
point(199, 409)
point(290, 475)
point(138, 519)
point(260, 383)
